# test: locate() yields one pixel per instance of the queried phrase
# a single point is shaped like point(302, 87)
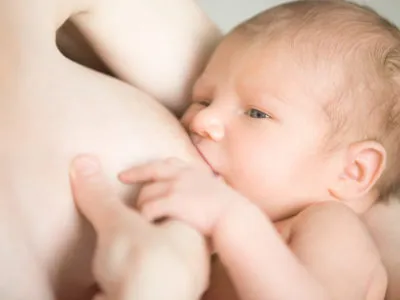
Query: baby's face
point(256, 120)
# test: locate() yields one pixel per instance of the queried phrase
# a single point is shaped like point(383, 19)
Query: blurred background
point(228, 13)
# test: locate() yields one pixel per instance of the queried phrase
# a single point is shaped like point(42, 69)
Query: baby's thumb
point(92, 192)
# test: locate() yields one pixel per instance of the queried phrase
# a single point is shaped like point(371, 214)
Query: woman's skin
point(128, 263)
point(53, 108)
point(76, 47)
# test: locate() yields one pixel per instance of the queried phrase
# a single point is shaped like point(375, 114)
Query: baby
point(297, 114)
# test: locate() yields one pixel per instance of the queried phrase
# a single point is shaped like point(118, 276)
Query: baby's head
point(300, 104)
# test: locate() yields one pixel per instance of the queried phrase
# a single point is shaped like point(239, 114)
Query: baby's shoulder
point(330, 221)
point(332, 241)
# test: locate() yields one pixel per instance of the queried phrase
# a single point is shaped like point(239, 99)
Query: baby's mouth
point(207, 162)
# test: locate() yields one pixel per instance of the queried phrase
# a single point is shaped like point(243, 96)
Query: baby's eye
point(204, 103)
point(257, 114)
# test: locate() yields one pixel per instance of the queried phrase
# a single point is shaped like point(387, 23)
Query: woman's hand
point(135, 259)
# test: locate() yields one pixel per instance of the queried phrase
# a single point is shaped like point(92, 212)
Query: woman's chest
point(74, 111)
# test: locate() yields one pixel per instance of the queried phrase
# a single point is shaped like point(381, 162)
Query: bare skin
point(52, 109)
point(381, 233)
point(322, 237)
point(133, 258)
point(380, 220)
point(316, 256)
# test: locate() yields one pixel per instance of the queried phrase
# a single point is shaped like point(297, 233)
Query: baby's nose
point(207, 124)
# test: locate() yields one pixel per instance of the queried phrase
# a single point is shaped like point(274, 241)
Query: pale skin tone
point(265, 265)
point(382, 222)
point(324, 245)
point(53, 109)
point(127, 268)
point(262, 134)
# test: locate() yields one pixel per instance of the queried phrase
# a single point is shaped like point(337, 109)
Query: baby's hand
point(182, 191)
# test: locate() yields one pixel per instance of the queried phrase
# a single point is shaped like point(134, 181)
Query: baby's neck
point(362, 205)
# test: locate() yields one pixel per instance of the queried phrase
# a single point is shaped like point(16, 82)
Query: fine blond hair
point(366, 46)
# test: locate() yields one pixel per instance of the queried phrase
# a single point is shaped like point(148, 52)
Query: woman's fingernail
point(85, 165)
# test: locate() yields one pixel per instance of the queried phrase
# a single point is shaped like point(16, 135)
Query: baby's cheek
point(269, 174)
point(251, 177)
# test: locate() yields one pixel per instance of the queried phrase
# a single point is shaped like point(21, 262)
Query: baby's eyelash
point(257, 114)
point(202, 102)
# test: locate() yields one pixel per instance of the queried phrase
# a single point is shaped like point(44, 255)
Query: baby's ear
point(363, 166)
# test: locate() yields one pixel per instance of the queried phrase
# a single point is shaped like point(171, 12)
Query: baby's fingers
point(151, 191)
point(157, 209)
point(153, 171)
point(202, 216)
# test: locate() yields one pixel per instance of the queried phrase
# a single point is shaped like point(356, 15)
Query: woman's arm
point(77, 48)
point(159, 46)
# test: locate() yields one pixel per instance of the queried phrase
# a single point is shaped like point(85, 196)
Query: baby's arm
point(258, 261)
point(330, 253)
point(159, 46)
point(331, 256)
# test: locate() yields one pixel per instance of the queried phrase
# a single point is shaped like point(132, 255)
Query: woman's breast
point(70, 109)
point(58, 113)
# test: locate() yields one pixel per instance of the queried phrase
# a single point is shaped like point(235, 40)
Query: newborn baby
point(297, 112)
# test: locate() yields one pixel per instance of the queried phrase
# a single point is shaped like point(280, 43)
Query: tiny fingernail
point(85, 165)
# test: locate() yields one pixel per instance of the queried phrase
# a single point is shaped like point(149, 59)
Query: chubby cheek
point(249, 170)
point(264, 172)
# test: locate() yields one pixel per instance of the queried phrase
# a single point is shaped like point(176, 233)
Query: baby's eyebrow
point(267, 98)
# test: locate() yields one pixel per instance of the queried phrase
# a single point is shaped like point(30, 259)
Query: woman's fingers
point(92, 192)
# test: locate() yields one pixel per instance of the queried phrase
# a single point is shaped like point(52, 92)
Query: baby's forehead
point(335, 44)
point(320, 28)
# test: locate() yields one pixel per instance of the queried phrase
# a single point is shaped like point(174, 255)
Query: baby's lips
point(219, 177)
